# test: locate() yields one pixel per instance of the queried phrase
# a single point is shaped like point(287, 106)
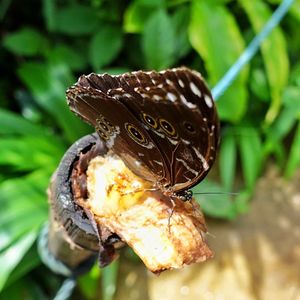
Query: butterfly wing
point(89, 98)
point(174, 131)
point(177, 110)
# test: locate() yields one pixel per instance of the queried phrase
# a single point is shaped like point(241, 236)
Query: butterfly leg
point(138, 191)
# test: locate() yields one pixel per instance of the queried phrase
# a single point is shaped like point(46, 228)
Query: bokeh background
point(46, 45)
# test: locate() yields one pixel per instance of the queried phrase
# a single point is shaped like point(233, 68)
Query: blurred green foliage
point(46, 45)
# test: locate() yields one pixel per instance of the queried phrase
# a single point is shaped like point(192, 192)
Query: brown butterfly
point(163, 125)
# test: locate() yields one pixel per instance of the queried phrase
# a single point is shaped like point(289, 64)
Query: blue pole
point(251, 50)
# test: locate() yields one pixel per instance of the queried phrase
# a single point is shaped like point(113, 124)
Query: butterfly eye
point(135, 134)
point(150, 120)
point(167, 127)
point(189, 127)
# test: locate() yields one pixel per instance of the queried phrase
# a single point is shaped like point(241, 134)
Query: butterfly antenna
point(171, 214)
point(216, 193)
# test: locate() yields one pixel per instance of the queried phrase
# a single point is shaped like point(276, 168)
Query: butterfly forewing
point(118, 128)
point(165, 122)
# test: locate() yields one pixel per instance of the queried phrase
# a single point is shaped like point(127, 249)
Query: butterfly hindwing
point(177, 109)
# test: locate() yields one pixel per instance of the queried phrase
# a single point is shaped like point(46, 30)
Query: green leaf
point(295, 74)
point(251, 154)
point(4, 6)
point(291, 99)
point(49, 13)
point(241, 201)
point(215, 35)
point(27, 42)
point(171, 3)
point(151, 3)
point(295, 9)
point(135, 17)
point(30, 152)
point(274, 53)
point(284, 123)
point(11, 124)
point(109, 280)
point(48, 84)
point(30, 261)
point(89, 282)
point(214, 200)
point(259, 84)
point(23, 206)
point(294, 158)
point(14, 254)
point(76, 20)
point(114, 71)
point(70, 55)
point(158, 41)
point(180, 20)
point(228, 157)
point(25, 289)
point(105, 46)
point(137, 13)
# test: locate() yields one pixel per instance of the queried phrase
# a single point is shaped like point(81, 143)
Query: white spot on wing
point(208, 101)
point(137, 78)
point(157, 97)
point(187, 178)
point(137, 163)
point(149, 146)
point(169, 81)
point(200, 156)
point(195, 89)
point(174, 142)
point(188, 104)
point(185, 141)
point(181, 83)
point(187, 166)
point(159, 133)
point(158, 162)
point(171, 97)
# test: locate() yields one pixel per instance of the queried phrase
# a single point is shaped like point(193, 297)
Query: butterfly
point(163, 125)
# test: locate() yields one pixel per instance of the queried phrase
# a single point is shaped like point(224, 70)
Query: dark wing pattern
point(173, 110)
point(116, 126)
